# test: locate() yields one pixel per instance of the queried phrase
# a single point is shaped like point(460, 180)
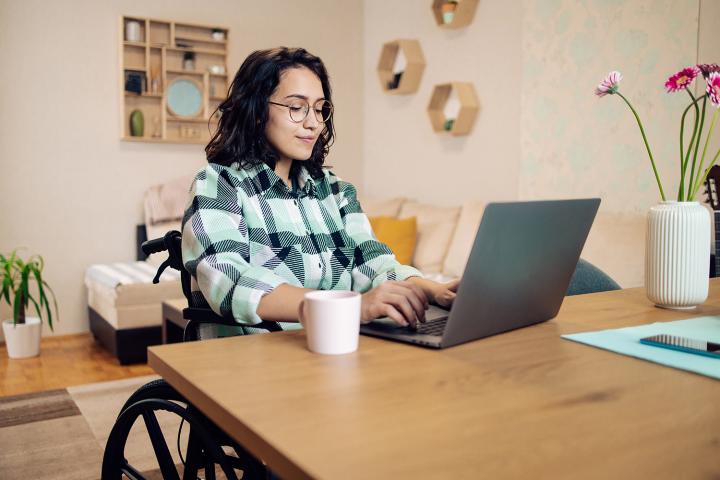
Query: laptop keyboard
point(433, 327)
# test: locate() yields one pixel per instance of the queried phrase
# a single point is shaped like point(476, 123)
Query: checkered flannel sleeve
point(216, 250)
point(374, 261)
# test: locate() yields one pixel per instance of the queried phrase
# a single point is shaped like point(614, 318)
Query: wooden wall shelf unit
point(154, 51)
point(453, 108)
point(454, 13)
point(401, 66)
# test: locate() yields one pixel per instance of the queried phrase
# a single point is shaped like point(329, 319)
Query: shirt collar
point(307, 182)
point(265, 178)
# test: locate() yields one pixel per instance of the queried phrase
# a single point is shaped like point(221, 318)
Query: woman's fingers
point(403, 302)
point(453, 285)
point(415, 295)
point(403, 305)
point(447, 298)
point(392, 313)
point(419, 292)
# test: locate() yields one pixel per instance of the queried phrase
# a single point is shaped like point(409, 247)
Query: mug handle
point(301, 314)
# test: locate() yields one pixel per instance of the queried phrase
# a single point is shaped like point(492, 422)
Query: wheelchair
point(208, 448)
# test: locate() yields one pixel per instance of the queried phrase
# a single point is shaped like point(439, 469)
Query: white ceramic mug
point(332, 321)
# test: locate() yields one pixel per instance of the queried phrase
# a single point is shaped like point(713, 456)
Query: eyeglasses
point(300, 108)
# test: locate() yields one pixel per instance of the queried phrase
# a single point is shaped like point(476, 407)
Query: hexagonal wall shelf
point(454, 13)
point(453, 108)
point(401, 66)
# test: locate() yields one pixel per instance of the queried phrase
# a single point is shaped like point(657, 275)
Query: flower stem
point(702, 158)
point(697, 145)
point(707, 170)
point(685, 157)
point(647, 146)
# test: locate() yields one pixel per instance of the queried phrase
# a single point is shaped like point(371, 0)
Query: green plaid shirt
point(245, 232)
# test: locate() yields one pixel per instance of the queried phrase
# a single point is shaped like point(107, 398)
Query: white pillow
point(387, 207)
point(435, 227)
point(462, 241)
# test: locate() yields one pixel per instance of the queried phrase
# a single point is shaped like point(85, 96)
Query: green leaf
point(39, 280)
point(57, 312)
point(6, 289)
point(12, 256)
point(37, 307)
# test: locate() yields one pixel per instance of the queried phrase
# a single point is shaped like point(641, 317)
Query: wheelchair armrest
point(205, 315)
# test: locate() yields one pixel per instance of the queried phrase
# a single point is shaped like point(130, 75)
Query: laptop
point(518, 273)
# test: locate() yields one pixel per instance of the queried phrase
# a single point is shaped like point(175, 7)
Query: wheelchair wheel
point(204, 450)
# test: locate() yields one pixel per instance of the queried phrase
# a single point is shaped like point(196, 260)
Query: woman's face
point(294, 141)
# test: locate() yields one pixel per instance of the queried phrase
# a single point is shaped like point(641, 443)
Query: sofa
point(124, 306)
point(445, 234)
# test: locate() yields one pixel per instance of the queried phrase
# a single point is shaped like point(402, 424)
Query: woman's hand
point(444, 293)
point(404, 302)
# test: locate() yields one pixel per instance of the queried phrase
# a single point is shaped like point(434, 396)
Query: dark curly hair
point(240, 136)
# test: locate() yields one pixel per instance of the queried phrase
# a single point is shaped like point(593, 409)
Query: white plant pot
point(677, 254)
point(23, 340)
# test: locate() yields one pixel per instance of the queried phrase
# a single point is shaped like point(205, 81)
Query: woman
point(267, 223)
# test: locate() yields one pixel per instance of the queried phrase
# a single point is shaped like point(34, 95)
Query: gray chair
point(590, 279)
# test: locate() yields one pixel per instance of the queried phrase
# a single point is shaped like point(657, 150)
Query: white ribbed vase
point(677, 254)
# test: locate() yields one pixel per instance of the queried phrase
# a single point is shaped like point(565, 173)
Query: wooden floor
point(64, 361)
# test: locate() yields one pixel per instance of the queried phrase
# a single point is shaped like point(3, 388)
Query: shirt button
point(319, 264)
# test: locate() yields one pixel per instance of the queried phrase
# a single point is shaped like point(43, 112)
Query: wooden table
point(523, 404)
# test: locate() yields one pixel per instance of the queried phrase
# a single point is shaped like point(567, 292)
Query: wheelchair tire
point(205, 444)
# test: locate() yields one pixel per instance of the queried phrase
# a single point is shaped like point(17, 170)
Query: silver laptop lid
point(519, 267)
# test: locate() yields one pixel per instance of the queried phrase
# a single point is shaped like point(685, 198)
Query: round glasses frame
point(300, 109)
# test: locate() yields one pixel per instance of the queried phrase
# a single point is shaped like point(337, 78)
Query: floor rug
point(61, 434)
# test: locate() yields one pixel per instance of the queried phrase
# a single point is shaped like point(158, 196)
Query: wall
point(576, 144)
point(541, 132)
point(402, 153)
point(71, 190)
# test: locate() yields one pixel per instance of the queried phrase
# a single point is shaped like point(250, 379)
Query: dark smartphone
point(682, 344)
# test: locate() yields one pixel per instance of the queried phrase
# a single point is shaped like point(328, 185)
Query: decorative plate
point(184, 98)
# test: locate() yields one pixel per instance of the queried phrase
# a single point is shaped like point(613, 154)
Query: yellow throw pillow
point(398, 234)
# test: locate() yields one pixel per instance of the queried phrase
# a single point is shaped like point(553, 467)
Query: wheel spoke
point(193, 457)
point(209, 470)
point(165, 460)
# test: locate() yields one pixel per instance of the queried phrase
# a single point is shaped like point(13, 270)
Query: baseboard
point(129, 345)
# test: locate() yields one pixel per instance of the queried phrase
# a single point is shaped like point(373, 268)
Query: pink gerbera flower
point(610, 85)
point(682, 79)
point(708, 68)
point(713, 88)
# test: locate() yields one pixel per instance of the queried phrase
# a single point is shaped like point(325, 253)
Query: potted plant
point(22, 333)
point(678, 231)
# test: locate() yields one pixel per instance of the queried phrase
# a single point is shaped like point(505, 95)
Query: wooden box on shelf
point(466, 107)
point(166, 64)
point(454, 13)
point(401, 66)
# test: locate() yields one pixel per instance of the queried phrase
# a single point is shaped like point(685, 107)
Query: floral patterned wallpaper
point(575, 144)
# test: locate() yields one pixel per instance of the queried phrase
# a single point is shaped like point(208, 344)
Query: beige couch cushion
point(131, 306)
point(435, 229)
point(389, 207)
point(462, 240)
